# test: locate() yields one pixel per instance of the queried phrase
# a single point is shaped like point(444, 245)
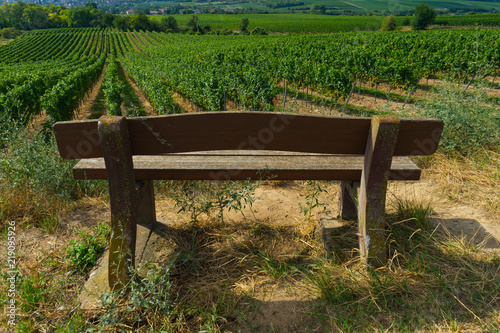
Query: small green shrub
point(388, 23)
point(83, 253)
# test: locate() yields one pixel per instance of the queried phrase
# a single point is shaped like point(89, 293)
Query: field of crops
point(249, 69)
point(300, 23)
point(53, 69)
point(284, 23)
point(356, 6)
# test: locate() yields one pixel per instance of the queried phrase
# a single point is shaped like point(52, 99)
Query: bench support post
point(146, 214)
point(378, 156)
point(123, 195)
point(348, 197)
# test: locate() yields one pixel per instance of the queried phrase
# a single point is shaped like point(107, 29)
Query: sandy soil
point(85, 109)
point(142, 97)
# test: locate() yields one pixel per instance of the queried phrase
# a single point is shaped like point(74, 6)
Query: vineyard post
point(348, 97)
point(224, 100)
point(472, 79)
point(307, 93)
point(359, 88)
point(411, 93)
point(495, 77)
point(284, 94)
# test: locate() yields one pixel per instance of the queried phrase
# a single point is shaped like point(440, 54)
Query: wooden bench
point(132, 152)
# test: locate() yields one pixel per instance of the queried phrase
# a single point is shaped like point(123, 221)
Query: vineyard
point(249, 257)
point(301, 23)
point(52, 70)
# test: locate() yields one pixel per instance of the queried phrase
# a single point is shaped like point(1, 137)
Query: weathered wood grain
point(373, 188)
point(123, 196)
point(215, 166)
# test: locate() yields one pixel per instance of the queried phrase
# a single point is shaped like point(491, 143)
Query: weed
point(142, 302)
point(197, 198)
point(83, 253)
point(416, 212)
point(312, 198)
point(50, 224)
point(273, 266)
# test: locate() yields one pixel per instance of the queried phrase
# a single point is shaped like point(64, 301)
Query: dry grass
point(32, 209)
point(474, 179)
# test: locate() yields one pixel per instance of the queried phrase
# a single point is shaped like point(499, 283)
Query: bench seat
point(243, 165)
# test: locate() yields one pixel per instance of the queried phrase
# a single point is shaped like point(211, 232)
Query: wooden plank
point(124, 198)
point(247, 131)
point(240, 167)
point(373, 189)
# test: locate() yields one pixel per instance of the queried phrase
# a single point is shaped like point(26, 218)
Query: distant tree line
point(29, 16)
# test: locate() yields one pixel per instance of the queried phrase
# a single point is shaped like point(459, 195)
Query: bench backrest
point(247, 131)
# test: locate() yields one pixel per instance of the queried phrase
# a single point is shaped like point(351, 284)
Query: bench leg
point(348, 197)
point(124, 199)
point(379, 150)
point(146, 213)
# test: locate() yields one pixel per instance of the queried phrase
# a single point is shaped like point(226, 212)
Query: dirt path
point(85, 109)
point(144, 37)
point(138, 92)
point(134, 44)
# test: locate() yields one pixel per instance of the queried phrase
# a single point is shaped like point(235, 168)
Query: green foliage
point(312, 197)
point(194, 26)
point(169, 24)
point(63, 98)
point(32, 163)
point(83, 253)
point(259, 31)
point(469, 124)
point(423, 17)
point(113, 87)
point(388, 23)
point(283, 23)
point(197, 197)
point(139, 21)
point(147, 297)
point(318, 8)
point(244, 24)
point(485, 20)
point(8, 33)
point(32, 291)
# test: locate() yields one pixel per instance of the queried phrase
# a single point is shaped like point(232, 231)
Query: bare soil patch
point(85, 109)
point(185, 104)
point(132, 40)
point(142, 97)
